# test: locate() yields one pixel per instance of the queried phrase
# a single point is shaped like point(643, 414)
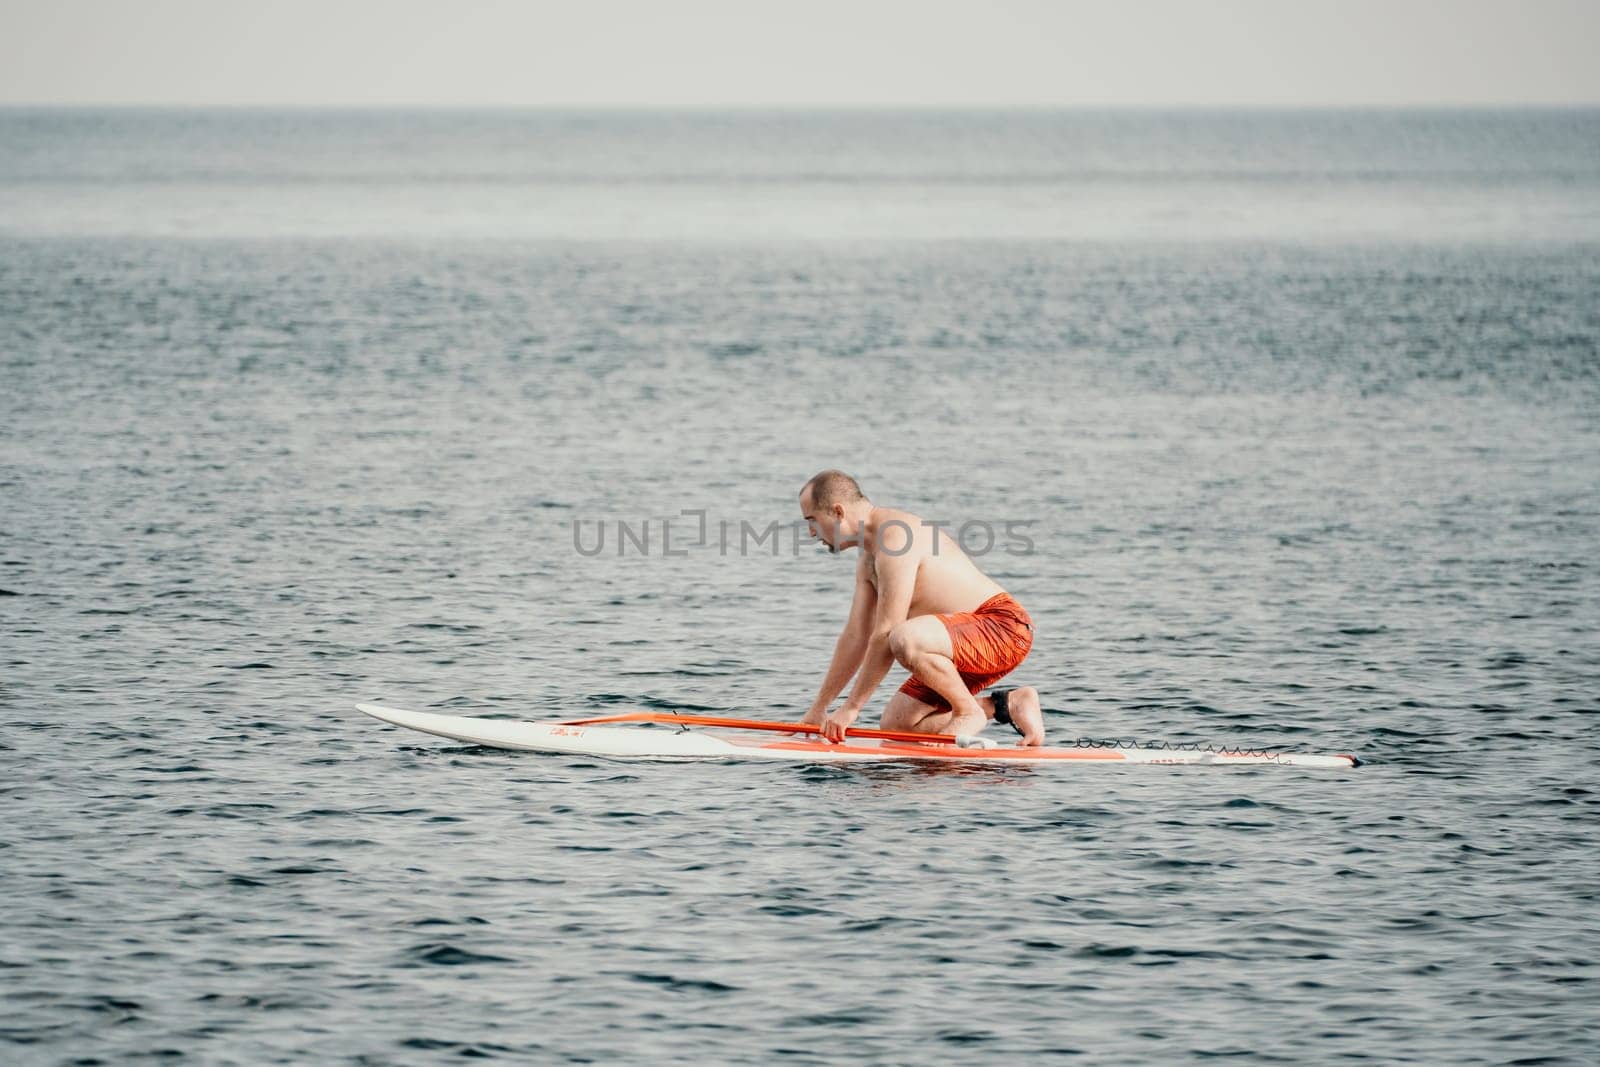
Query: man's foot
point(1020, 707)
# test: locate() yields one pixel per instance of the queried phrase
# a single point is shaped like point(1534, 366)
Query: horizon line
point(769, 108)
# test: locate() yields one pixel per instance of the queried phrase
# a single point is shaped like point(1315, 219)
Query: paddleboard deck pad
point(666, 740)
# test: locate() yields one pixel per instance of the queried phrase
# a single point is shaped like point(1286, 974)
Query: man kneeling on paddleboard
point(919, 599)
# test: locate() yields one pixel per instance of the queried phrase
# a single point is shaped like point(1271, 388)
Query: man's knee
point(903, 642)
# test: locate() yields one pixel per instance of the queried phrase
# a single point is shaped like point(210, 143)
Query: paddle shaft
point(757, 724)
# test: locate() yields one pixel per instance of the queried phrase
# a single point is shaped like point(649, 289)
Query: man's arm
point(897, 580)
point(851, 646)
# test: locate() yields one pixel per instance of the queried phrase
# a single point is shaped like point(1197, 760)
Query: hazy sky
point(756, 53)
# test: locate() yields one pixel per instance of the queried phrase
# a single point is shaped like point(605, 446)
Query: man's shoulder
point(889, 517)
point(899, 533)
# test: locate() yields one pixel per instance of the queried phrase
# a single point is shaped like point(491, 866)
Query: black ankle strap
point(1002, 709)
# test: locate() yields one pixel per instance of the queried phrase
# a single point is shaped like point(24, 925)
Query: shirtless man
point(919, 599)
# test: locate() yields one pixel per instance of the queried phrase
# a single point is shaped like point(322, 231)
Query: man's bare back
point(919, 600)
point(946, 578)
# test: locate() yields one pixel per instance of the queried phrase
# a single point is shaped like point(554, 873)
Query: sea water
point(1286, 426)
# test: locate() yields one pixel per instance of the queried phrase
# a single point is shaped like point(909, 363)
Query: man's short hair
point(832, 487)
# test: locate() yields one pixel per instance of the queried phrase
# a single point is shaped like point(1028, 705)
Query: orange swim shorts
point(989, 643)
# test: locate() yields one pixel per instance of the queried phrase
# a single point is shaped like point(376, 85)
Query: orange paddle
point(757, 724)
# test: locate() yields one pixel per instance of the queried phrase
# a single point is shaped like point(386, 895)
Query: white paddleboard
point(669, 743)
